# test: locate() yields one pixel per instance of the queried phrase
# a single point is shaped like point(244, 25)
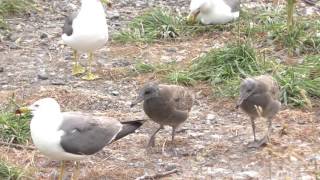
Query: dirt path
point(211, 144)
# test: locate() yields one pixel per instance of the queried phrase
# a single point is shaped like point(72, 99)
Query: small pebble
point(171, 49)
point(115, 93)
point(43, 36)
point(121, 63)
point(210, 117)
point(58, 82)
point(1, 69)
point(43, 76)
point(113, 14)
point(170, 167)
point(13, 37)
point(4, 82)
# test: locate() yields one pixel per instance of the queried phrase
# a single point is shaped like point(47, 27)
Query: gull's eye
point(248, 90)
point(37, 105)
point(147, 92)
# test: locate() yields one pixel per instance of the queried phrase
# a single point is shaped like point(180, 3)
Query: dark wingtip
point(128, 128)
point(136, 123)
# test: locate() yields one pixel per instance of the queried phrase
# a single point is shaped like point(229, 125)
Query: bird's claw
point(90, 77)
point(257, 144)
point(77, 69)
point(151, 144)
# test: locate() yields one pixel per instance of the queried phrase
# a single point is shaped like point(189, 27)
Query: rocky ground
point(212, 144)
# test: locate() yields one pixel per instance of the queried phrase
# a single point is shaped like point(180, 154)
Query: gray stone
point(43, 36)
point(115, 93)
point(58, 82)
point(171, 49)
point(43, 76)
point(113, 14)
point(210, 117)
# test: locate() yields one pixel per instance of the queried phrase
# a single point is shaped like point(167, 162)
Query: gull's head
point(45, 105)
point(197, 6)
point(148, 91)
point(247, 88)
point(106, 2)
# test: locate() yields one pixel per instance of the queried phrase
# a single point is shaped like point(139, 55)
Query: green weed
point(9, 172)
point(162, 24)
point(8, 7)
point(14, 128)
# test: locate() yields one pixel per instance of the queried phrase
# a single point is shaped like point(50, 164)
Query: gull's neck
point(49, 120)
point(85, 4)
point(92, 8)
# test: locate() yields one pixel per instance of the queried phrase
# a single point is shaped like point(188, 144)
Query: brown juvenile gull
point(259, 96)
point(73, 135)
point(166, 105)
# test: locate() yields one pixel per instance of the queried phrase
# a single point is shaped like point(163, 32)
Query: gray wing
point(67, 27)
point(234, 4)
point(87, 134)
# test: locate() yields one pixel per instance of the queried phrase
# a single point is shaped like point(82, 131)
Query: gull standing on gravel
point(73, 135)
point(166, 105)
point(214, 11)
point(86, 31)
point(259, 97)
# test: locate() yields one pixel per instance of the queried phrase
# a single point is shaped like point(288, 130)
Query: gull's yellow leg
point(90, 76)
point(77, 172)
point(77, 68)
point(61, 170)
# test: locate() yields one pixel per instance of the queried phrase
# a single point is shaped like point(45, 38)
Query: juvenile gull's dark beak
point(241, 99)
point(138, 100)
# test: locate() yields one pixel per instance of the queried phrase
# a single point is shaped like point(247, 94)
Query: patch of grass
point(152, 25)
point(225, 67)
point(297, 85)
point(226, 63)
point(9, 7)
point(159, 70)
point(270, 27)
point(9, 172)
point(142, 67)
point(14, 128)
point(301, 39)
point(180, 77)
point(162, 24)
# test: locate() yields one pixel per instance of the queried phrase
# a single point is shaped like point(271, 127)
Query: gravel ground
point(211, 144)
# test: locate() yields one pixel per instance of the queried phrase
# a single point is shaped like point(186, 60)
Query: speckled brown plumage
point(260, 92)
point(166, 105)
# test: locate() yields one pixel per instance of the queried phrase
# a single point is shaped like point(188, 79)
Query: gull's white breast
point(90, 29)
point(46, 137)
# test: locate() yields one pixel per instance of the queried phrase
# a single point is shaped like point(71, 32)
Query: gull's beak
point(242, 98)
point(193, 16)
point(23, 110)
point(107, 2)
point(138, 100)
